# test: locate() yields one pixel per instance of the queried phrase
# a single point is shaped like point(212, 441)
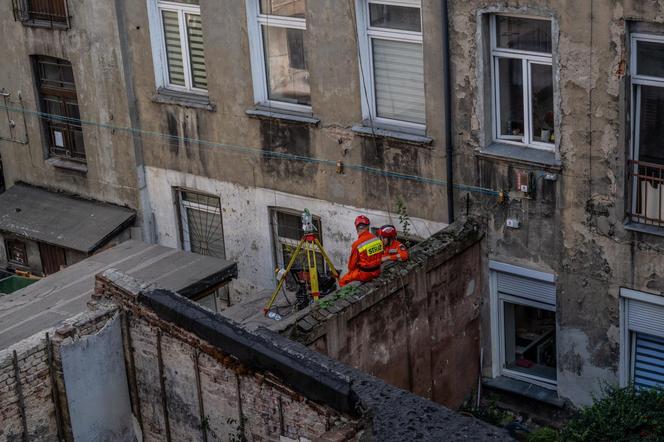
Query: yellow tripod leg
point(313, 271)
point(327, 259)
point(268, 306)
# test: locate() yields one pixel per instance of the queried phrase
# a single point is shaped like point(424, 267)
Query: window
point(50, 12)
point(177, 34)
point(522, 81)
point(16, 252)
point(641, 339)
point(524, 324)
point(392, 62)
point(287, 233)
point(62, 122)
point(201, 226)
point(279, 54)
point(646, 166)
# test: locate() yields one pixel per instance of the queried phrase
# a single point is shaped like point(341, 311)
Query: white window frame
point(158, 43)
point(627, 336)
point(366, 33)
point(184, 222)
point(255, 21)
point(498, 301)
point(528, 58)
point(635, 102)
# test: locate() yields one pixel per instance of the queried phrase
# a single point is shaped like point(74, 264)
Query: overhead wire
point(213, 145)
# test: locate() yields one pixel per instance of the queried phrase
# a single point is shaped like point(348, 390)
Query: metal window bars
point(646, 191)
point(50, 13)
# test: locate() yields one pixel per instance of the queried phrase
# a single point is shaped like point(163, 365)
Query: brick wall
point(40, 383)
point(186, 390)
point(417, 326)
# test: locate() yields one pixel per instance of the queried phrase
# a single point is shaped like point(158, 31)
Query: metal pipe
point(447, 100)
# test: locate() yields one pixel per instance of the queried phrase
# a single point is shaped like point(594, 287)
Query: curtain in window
point(399, 80)
point(195, 37)
point(173, 47)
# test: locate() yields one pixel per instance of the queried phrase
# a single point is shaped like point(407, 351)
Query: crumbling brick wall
point(417, 326)
point(185, 390)
point(33, 406)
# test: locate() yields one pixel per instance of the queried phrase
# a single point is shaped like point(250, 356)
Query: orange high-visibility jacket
point(366, 253)
point(396, 251)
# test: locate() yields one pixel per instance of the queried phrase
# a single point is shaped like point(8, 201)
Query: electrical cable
point(256, 151)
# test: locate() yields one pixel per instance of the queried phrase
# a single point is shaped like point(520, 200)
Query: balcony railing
point(646, 190)
point(45, 12)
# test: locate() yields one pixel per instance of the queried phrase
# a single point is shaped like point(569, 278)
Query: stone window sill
point(62, 26)
point(525, 389)
point(521, 155)
point(265, 113)
point(392, 134)
point(644, 228)
point(186, 99)
point(62, 163)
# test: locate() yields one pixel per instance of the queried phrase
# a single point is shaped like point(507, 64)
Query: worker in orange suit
point(393, 249)
point(365, 256)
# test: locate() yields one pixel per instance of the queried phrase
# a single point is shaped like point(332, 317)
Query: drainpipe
point(447, 100)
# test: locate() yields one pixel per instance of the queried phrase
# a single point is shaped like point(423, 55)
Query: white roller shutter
point(645, 317)
point(526, 288)
point(399, 80)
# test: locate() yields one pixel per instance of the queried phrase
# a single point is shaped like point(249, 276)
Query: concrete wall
point(573, 226)
point(416, 327)
point(92, 46)
point(247, 223)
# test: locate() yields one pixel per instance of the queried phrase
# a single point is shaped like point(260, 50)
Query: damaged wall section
point(417, 326)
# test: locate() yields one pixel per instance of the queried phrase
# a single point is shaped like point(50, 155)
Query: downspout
point(146, 215)
point(447, 101)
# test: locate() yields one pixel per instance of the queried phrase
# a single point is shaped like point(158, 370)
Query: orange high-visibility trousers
point(358, 275)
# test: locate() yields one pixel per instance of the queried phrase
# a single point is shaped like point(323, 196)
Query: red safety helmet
point(387, 231)
point(362, 220)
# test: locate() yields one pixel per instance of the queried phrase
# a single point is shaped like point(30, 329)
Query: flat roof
point(61, 220)
point(64, 294)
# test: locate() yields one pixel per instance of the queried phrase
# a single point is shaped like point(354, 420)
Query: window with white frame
point(524, 324)
point(392, 62)
point(177, 44)
point(641, 339)
point(279, 55)
point(647, 163)
point(522, 81)
point(201, 228)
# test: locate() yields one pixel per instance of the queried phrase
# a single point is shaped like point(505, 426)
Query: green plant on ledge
point(332, 298)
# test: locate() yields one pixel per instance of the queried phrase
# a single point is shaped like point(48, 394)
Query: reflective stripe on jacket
point(366, 253)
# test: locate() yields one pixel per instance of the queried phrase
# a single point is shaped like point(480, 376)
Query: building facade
point(219, 122)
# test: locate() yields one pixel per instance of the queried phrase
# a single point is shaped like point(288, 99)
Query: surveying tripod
point(309, 244)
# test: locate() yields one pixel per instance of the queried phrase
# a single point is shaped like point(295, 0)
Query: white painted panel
point(96, 385)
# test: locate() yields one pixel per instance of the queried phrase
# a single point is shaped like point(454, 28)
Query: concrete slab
point(64, 294)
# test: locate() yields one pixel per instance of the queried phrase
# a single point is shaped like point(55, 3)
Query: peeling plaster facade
point(572, 228)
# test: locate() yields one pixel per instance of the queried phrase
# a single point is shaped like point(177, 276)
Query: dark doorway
point(52, 257)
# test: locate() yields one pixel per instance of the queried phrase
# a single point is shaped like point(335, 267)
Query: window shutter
point(173, 47)
point(399, 80)
point(195, 36)
point(644, 317)
point(527, 288)
point(648, 361)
